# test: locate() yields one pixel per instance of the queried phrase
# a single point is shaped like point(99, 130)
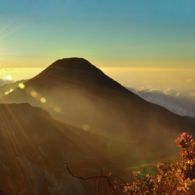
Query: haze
point(140, 44)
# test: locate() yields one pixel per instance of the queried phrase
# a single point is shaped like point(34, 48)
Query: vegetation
point(171, 178)
point(177, 178)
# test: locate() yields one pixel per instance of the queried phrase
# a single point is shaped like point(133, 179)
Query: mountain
point(34, 148)
point(5, 81)
point(77, 93)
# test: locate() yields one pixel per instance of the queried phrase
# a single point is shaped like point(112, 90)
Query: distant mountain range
point(4, 82)
point(180, 105)
point(107, 125)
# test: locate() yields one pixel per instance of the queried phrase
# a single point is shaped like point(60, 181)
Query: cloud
point(4, 81)
point(170, 91)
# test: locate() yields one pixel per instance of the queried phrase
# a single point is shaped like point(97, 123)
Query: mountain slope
point(8, 87)
point(76, 92)
point(34, 149)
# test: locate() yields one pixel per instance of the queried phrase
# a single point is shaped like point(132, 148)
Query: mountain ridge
point(75, 68)
point(34, 149)
point(94, 102)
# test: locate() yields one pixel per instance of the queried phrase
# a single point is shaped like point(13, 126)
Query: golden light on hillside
point(57, 109)
point(33, 93)
point(43, 100)
point(8, 92)
point(21, 85)
point(86, 127)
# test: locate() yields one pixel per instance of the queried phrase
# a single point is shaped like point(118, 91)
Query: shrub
point(171, 178)
point(176, 178)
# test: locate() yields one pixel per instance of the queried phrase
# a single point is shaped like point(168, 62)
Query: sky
point(114, 35)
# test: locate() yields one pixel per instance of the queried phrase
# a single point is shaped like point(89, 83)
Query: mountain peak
point(74, 63)
point(80, 74)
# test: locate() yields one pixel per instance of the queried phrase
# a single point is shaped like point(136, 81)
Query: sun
point(7, 78)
